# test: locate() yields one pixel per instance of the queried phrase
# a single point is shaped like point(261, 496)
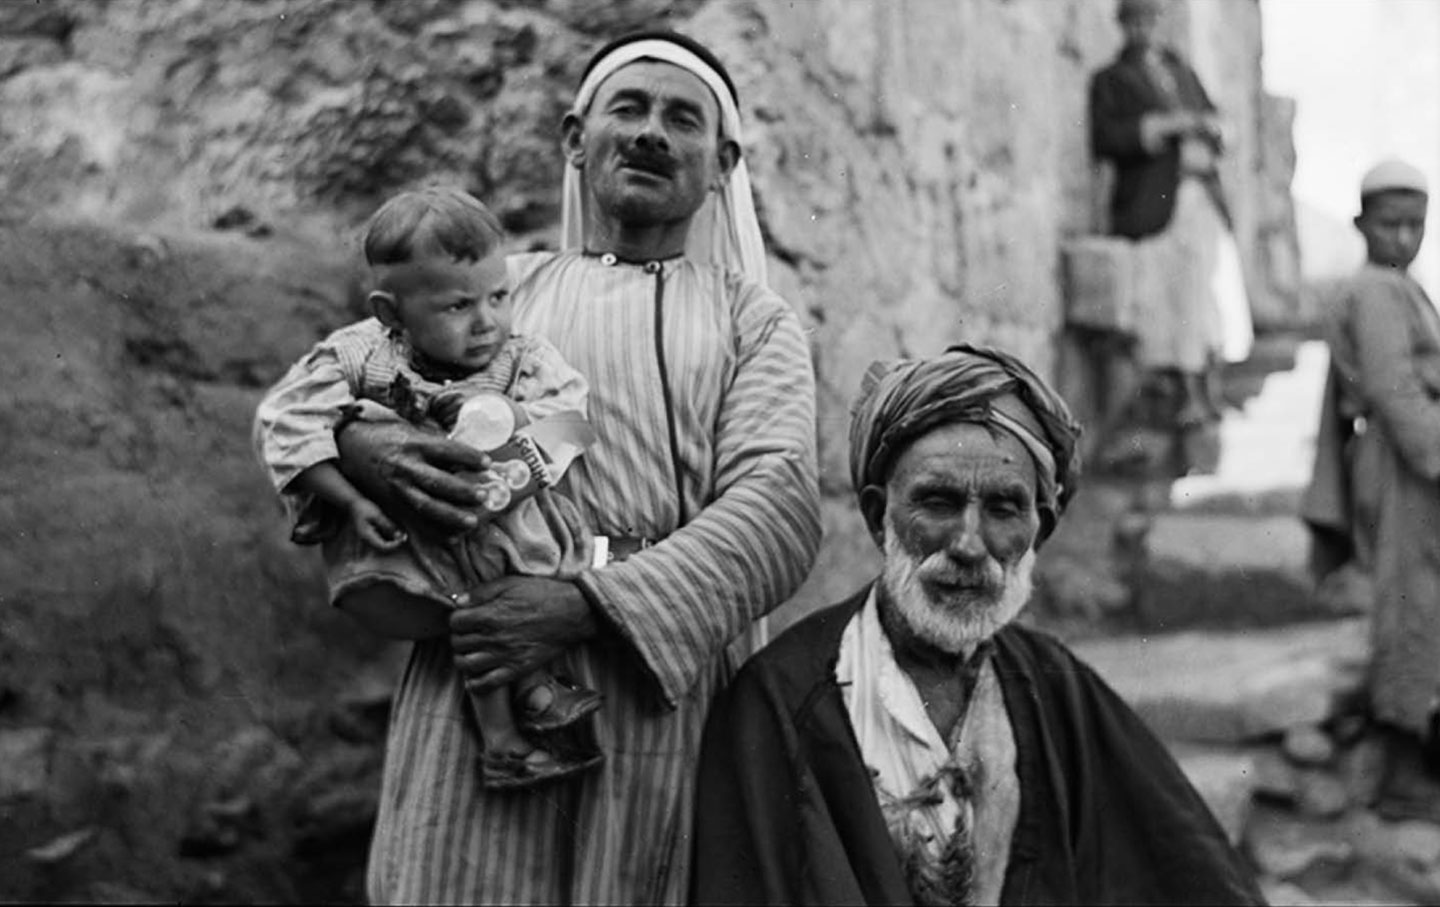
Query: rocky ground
point(180, 716)
point(1253, 680)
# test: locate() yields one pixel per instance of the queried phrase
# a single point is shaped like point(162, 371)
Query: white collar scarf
point(725, 231)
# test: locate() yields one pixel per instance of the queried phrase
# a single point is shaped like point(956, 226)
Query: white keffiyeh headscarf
point(725, 230)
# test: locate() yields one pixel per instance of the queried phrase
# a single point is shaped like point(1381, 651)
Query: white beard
point(958, 621)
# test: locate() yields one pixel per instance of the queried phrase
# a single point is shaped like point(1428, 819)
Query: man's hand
point(375, 528)
point(504, 630)
point(397, 463)
point(1211, 127)
point(445, 407)
point(1178, 123)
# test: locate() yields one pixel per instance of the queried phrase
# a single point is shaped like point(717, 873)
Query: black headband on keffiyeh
point(900, 401)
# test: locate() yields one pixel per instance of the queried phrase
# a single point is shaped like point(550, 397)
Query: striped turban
point(900, 401)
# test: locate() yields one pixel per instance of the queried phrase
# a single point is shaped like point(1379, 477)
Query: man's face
point(454, 313)
point(1141, 26)
point(650, 144)
point(1393, 224)
point(959, 523)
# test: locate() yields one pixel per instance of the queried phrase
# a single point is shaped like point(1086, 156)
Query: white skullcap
point(1393, 174)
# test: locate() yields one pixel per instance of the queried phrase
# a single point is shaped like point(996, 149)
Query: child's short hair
point(430, 220)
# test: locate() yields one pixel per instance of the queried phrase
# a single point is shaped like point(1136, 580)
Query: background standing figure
point(1151, 117)
point(1375, 496)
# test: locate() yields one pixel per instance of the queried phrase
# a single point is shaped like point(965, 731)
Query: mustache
point(643, 159)
point(940, 569)
point(984, 598)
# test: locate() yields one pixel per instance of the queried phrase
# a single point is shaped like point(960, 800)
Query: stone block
point(1099, 291)
point(1277, 892)
point(1417, 843)
point(1362, 765)
point(1275, 778)
point(1321, 795)
point(1222, 687)
point(1074, 587)
point(1224, 570)
point(62, 848)
point(1283, 847)
point(1396, 853)
point(1308, 745)
point(1225, 779)
point(25, 757)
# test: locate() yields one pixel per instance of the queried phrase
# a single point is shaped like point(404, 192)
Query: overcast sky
point(1365, 75)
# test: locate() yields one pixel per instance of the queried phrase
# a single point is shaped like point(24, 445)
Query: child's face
point(1393, 224)
point(454, 313)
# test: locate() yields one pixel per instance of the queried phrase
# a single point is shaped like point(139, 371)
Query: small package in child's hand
point(518, 466)
point(517, 470)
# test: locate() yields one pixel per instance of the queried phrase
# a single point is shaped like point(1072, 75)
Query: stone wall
point(182, 183)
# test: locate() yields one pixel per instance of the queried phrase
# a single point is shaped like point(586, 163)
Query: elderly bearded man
point(912, 745)
point(702, 480)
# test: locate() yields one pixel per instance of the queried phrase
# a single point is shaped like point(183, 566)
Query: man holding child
point(702, 484)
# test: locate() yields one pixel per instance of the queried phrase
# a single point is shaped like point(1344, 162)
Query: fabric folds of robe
point(786, 813)
point(737, 369)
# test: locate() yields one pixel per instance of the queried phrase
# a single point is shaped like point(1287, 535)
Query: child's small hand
point(374, 527)
point(445, 408)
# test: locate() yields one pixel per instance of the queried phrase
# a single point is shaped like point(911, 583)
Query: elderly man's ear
point(872, 508)
point(1047, 526)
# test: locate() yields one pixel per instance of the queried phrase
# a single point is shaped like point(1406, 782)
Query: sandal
point(569, 703)
point(511, 771)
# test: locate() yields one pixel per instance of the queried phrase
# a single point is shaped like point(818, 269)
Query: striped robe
point(738, 374)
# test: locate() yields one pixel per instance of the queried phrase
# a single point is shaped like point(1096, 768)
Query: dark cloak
point(1146, 182)
point(786, 812)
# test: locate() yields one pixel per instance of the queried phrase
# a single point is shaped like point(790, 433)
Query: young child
point(440, 336)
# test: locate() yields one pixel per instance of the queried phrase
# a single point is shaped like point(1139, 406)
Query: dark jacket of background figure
point(786, 812)
point(1142, 200)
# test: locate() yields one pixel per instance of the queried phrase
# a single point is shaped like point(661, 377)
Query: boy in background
point(1375, 495)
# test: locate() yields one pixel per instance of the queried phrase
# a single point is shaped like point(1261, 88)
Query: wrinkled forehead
point(964, 451)
point(660, 80)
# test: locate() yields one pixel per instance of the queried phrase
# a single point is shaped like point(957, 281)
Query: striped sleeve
point(679, 603)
